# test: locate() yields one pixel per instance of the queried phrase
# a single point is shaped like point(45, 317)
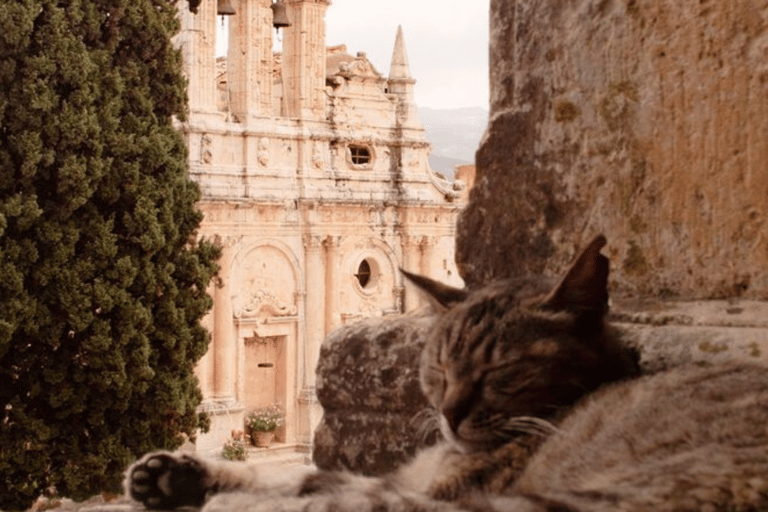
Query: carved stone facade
point(313, 167)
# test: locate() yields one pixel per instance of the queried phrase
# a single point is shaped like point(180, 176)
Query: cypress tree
point(103, 281)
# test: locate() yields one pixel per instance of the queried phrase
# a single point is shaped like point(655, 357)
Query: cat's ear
point(585, 285)
point(440, 295)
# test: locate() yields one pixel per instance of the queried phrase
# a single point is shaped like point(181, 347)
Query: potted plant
point(234, 449)
point(263, 422)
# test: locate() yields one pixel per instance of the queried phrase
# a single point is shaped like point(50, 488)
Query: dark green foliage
point(103, 284)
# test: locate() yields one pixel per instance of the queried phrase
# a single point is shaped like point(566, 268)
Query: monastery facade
point(315, 181)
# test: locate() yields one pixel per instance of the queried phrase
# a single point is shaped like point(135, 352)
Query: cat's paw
point(164, 481)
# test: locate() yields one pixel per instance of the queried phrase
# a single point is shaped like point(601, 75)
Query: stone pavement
point(277, 458)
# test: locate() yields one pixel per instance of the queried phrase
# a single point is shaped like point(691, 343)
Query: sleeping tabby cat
point(515, 371)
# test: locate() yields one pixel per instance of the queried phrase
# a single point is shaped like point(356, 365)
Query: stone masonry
point(641, 119)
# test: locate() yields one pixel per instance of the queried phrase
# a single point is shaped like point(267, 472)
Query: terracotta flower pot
point(261, 438)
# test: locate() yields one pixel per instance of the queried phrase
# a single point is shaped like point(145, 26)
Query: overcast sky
point(446, 42)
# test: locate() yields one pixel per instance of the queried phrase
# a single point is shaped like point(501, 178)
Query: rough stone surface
point(368, 372)
point(641, 119)
point(367, 383)
point(671, 333)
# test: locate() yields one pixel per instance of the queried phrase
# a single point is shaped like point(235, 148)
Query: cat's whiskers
point(426, 423)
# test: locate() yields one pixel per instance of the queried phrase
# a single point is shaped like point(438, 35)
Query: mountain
point(454, 135)
point(445, 165)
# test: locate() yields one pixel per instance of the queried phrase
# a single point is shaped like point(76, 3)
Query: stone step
point(278, 454)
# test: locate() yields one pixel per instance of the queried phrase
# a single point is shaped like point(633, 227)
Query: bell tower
point(304, 59)
point(249, 59)
point(197, 42)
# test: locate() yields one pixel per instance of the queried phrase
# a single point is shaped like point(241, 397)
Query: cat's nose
point(457, 404)
point(455, 413)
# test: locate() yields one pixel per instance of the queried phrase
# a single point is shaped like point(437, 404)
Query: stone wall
point(642, 119)
point(368, 385)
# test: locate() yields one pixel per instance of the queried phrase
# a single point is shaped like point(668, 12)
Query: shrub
point(234, 449)
point(103, 277)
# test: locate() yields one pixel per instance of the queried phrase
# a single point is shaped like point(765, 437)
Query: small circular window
point(363, 274)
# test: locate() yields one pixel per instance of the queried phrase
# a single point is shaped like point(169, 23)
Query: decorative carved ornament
point(263, 155)
point(361, 69)
point(206, 151)
point(266, 301)
point(261, 340)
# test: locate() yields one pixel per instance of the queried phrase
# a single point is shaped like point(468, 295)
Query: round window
point(363, 274)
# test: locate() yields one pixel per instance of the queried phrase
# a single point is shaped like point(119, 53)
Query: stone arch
point(267, 292)
point(249, 251)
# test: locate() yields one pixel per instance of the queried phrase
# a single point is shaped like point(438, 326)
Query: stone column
point(412, 263)
point(332, 317)
point(205, 367)
point(249, 59)
point(315, 304)
point(427, 249)
point(197, 41)
point(224, 342)
point(314, 334)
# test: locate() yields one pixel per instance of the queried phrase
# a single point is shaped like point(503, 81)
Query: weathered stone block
point(368, 385)
point(640, 119)
point(370, 443)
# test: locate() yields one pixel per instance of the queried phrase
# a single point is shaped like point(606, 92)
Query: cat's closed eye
point(433, 378)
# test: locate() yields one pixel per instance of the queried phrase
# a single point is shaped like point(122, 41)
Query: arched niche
point(265, 272)
point(266, 305)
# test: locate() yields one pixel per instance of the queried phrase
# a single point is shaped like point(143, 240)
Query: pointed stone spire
point(399, 69)
point(401, 83)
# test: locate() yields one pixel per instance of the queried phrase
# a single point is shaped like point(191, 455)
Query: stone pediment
point(358, 68)
point(266, 303)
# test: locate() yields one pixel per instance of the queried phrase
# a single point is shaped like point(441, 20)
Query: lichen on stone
point(566, 111)
point(712, 348)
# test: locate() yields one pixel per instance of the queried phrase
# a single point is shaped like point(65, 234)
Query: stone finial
point(399, 69)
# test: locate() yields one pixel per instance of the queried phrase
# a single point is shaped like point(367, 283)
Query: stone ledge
point(366, 367)
point(671, 333)
point(368, 372)
point(717, 313)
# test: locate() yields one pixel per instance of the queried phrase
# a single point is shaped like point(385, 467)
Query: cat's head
point(501, 359)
